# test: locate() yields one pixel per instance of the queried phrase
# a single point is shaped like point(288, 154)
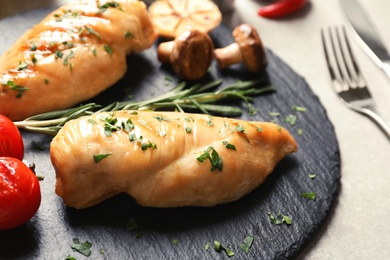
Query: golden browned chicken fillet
point(164, 159)
point(72, 55)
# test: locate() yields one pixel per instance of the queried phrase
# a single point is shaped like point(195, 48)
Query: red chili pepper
point(281, 8)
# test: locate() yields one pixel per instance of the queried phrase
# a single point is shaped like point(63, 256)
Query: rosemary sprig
point(198, 97)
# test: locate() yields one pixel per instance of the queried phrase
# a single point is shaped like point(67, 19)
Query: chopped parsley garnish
point(160, 118)
point(33, 46)
point(128, 125)
point(82, 248)
point(107, 5)
point(309, 195)
point(211, 154)
point(311, 176)
point(149, 144)
point(207, 246)
point(131, 224)
point(128, 35)
point(108, 49)
point(188, 129)
point(229, 146)
point(70, 55)
point(209, 122)
point(98, 157)
point(299, 108)
point(69, 257)
point(259, 129)
point(175, 242)
point(274, 114)
point(94, 52)
point(46, 81)
point(246, 245)
point(22, 66)
point(291, 119)
point(218, 247)
point(11, 84)
point(279, 218)
point(240, 129)
point(90, 30)
point(58, 54)
point(37, 146)
point(110, 126)
point(300, 132)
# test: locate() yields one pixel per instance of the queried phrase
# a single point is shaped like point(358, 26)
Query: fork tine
point(333, 65)
point(359, 79)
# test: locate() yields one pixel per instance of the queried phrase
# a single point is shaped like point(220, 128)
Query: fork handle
point(377, 119)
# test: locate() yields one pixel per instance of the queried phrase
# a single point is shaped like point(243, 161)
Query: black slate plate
point(49, 234)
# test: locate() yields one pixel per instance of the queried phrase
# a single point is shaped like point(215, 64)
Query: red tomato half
point(281, 8)
point(11, 142)
point(20, 193)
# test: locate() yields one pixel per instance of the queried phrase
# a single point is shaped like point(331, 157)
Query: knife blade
point(370, 40)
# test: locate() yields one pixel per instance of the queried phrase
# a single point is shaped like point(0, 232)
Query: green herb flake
point(108, 49)
point(110, 126)
point(82, 248)
point(92, 121)
point(33, 46)
point(149, 144)
point(98, 157)
point(132, 224)
point(259, 129)
point(286, 219)
point(69, 257)
point(240, 129)
point(229, 146)
point(207, 246)
point(300, 132)
point(246, 245)
point(291, 119)
point(298, 108)
point(102, 251)
point(309, 195)
point(107, 5)
point(69, 56)
point(209, 122)
point(11, 84)
point(160, 119)
point(37, 146)
point(175, 242)
point(22, 66)
point(274, 114)
point(128, 35)
point(90, 30)
point(212, 155)
point(218, 247)
point(274, 219)
point(58, 54)
point(188, 129)
point(46, 81)
point(128, 125)
point(311, 176)
point(94, 52)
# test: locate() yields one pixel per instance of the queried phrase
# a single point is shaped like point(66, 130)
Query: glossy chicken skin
point(164, 167)
point(72, 55)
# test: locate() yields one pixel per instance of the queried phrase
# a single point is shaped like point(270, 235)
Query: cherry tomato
point(282, 8)
point(20, 193)
point(11, 142)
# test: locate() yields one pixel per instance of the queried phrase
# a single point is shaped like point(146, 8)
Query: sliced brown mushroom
point(248, 48)
point(190, 54)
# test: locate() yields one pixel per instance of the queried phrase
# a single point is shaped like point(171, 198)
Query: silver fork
point(347, 79)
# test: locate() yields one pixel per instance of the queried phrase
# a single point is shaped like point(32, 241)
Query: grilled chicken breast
point(164, 159)
point(72, 55)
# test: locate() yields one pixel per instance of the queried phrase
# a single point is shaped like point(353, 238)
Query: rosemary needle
point(198, 97)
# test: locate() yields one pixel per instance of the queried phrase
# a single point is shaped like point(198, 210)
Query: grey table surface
point(357, 227)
